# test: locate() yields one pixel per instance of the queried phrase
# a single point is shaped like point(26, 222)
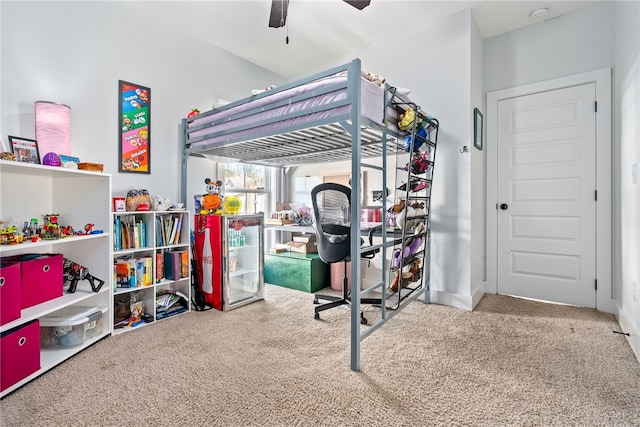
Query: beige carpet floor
point(511, 362)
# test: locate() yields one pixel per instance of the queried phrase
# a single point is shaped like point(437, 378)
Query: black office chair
point(332, 210)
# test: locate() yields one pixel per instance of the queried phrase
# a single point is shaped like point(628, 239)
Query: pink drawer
point(9, 293)
point(19, 353)
point(41, 279)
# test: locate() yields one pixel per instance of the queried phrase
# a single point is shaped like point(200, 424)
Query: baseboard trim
point(634, 337)
point(478, 294)
point(464, 302)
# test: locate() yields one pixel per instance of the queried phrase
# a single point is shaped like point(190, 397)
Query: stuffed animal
point(408, 217)
point(406, 119)
point(413, 275)
point(160, 203)
point(212, 201)
point(374, 78)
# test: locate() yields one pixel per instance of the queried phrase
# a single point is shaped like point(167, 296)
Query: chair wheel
point(316, 316)
point(363, 320)
point(315, 301)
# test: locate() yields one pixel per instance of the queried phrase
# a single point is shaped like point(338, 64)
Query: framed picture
point(134, 124)
point(477, 128)
point(26, 150)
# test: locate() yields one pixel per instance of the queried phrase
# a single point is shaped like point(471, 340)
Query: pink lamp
point(53, 127)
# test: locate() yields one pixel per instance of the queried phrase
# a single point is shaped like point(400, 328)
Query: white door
point(546, 196)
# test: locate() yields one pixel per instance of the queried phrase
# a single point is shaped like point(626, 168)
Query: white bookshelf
point(79, 197)
point(146, 245)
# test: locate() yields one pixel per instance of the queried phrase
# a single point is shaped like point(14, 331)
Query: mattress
point(222, 126)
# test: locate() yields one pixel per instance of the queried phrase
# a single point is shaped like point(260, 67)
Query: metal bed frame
point(349, 136)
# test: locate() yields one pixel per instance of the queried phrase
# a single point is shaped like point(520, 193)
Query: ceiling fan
point(278, 17)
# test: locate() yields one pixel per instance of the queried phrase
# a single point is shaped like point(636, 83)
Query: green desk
point(304, 272)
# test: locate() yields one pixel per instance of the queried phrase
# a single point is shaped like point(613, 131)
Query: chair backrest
point(332, 210)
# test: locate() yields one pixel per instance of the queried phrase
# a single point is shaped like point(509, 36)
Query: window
point(249, 184)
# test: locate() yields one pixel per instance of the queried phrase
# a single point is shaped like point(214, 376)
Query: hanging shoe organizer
point(409, 266)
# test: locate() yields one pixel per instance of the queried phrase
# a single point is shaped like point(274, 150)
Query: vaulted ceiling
point(324, 32)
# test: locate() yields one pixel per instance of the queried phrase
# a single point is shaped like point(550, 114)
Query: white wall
point(478, 184)
point(439, 78)
point(75, 53)
point(603, 35)
point(627, 149)
point(438, 75)
point(572, 44)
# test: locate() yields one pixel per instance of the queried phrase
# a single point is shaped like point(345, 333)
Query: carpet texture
point(511, 362)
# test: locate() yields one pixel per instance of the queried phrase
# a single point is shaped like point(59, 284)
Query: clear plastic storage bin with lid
point(71, 326)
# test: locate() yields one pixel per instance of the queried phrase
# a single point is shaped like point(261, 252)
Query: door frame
point(602, 80)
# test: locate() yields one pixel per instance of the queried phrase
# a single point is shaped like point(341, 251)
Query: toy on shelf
point(161, 203)
point(74, 272)
point(232, 205)
point(66, 231)
point(212, 201)
point(51, 159)
point(31, 230)
point(88, 229)
point(9, 235)
point(137, 314)
point(50, 229)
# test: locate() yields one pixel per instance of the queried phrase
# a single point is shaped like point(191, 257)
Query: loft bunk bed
point(330, 116)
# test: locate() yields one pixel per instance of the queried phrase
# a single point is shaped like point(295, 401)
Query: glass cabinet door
point(243, 259)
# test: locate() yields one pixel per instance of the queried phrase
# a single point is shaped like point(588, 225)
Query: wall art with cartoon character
point(135, 128)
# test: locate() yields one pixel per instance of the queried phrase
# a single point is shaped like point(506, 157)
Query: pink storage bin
point(9, 293)
point(19, 353)
point(41, 278)
point(337, 274)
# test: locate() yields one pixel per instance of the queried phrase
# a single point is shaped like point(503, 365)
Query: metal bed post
point(183, 164)
point(354, 98)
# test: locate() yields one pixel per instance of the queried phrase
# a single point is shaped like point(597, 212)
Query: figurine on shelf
point(9, 235)
point(212, 201)
point(66, 231)
point(31, 230)
point(137, 311)
point(50, 229)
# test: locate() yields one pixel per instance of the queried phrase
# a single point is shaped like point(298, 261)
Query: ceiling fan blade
point(358, 4)
point(278, 15)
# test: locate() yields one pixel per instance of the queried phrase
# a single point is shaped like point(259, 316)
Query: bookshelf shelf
point(151, 256)
point(79, 197)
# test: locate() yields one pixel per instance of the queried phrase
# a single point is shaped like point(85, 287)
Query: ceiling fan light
point(358, 4)
point(278, 16)
point(538, 13)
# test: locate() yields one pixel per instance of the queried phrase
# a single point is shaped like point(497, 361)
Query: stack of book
point(168, 228)
point(133, 272)
point(130, 232)
point(176, 265)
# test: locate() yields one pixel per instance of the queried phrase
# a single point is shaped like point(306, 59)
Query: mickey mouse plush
point(212, 201)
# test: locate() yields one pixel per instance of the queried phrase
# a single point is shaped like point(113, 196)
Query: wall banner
point(135, 128)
